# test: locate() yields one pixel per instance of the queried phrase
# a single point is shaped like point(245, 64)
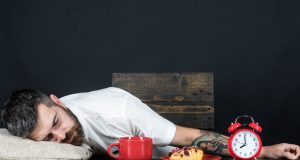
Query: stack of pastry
point(186, 153)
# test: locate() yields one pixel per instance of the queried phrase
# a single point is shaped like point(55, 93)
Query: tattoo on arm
point(212, 142)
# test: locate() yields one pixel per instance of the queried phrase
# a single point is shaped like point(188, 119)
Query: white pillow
point(12, 148)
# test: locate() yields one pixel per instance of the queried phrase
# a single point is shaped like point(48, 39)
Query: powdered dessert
point(186, 153)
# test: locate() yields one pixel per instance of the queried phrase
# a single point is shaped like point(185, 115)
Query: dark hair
point(19, 115)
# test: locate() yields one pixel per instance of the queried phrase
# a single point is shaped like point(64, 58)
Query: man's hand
point(282, 150)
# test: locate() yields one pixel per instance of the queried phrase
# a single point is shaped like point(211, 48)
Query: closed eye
point(54, 123)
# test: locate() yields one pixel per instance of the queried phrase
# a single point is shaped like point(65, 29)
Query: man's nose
point(58, 135)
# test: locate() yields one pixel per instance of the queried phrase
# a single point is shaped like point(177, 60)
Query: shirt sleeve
point(146, 122)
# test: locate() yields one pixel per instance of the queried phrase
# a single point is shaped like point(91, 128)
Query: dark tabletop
point(105, 157)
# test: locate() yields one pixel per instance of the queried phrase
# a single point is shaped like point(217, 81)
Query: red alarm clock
point(244, 142)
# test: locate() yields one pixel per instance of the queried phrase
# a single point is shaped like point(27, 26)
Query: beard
point(75, 135)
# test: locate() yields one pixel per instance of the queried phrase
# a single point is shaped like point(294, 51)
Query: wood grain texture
point(196, 116)
point(184, 98)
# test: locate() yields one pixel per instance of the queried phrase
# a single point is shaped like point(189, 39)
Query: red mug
point(132, 148)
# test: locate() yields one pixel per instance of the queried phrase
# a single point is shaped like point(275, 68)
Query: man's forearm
point(215, 143)
point(212, 142)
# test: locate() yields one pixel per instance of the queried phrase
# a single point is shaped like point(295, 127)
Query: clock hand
point(243, 146)
point(245, 142)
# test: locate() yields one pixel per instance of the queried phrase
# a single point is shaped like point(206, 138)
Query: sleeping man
point(99, 118)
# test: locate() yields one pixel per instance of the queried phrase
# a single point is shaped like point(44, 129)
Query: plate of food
point(189, 153)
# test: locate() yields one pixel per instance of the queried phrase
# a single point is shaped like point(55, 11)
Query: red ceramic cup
point(132, 148)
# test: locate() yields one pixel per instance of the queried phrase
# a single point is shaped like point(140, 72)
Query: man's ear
point(56, 100)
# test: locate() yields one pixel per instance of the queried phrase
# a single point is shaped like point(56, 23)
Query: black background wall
point(252, 47)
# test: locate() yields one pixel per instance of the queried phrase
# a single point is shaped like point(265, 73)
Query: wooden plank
point(180, 108)
point(194, 120)
point(188, 116)
point(185, 99)
point(167, 87)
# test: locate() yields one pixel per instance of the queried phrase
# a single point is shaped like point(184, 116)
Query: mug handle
point(110, 146)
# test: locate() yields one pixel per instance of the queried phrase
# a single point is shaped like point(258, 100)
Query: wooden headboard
point(186, 99)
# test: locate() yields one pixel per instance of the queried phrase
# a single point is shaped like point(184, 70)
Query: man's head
point(32, 114)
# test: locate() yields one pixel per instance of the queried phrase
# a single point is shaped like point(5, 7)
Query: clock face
point(245, 144)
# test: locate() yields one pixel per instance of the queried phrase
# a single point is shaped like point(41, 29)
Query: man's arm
point(215, 143)
point(210, 142)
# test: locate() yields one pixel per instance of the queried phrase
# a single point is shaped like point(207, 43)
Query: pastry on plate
point(186, 153)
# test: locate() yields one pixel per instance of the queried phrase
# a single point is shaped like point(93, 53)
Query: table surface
point(105, 157)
